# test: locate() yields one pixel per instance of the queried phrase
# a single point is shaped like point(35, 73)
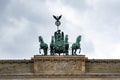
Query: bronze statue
point(76, 45)
point(59, 44)
point(43, 46)
point(66, 45)
point(57, 23)
point(52, 46)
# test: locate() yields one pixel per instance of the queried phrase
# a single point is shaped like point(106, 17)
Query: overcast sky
point(22, 21)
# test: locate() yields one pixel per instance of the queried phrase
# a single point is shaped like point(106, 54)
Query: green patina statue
point(76, 45)
point(57, 23)
point(52, 44)
point(66, 45)
point(43, 46)
point(59, 44)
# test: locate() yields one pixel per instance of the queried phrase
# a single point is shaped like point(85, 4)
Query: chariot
point(59, 44)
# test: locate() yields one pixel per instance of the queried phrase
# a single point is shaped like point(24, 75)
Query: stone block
point(59, 64)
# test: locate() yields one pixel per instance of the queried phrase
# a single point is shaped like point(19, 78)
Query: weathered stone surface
point(16, 66)
point(59, 64)
point(60, 68)
point(90, 76)
point(102, 66)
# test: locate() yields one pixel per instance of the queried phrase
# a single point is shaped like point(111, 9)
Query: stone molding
point(15, 61)
point(86, 75)
point(103, 61)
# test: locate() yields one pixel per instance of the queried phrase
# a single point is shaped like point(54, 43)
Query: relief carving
point(60, 66)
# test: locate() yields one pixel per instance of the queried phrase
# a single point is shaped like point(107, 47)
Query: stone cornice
point(84, 75)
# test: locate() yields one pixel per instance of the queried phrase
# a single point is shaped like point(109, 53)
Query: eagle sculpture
point(57, 17)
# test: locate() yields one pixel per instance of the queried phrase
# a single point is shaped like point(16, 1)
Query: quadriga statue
point(59, 43)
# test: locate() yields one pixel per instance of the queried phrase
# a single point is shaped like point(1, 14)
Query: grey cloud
point(25, 42)
point(80, 5)
point(3, 4)
point(34, 14)
point(109, 15)
point(87, 46)
point(103, 20)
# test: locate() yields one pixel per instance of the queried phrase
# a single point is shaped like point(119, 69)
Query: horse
point(66, 45)
point(76, 45)
point(52, 46)
point(43, 46)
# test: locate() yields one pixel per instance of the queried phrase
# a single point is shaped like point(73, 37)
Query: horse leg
point(51, 52)
point(75, 52)
point(66, 52)
point(45, 52)
point(72, 51)
point(79, 50)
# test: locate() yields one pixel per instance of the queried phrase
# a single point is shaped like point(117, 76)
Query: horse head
point(78, 39)
point(52, 40)
point(41, 39)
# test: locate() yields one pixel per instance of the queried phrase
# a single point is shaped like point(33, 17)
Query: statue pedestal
point(59, 65)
